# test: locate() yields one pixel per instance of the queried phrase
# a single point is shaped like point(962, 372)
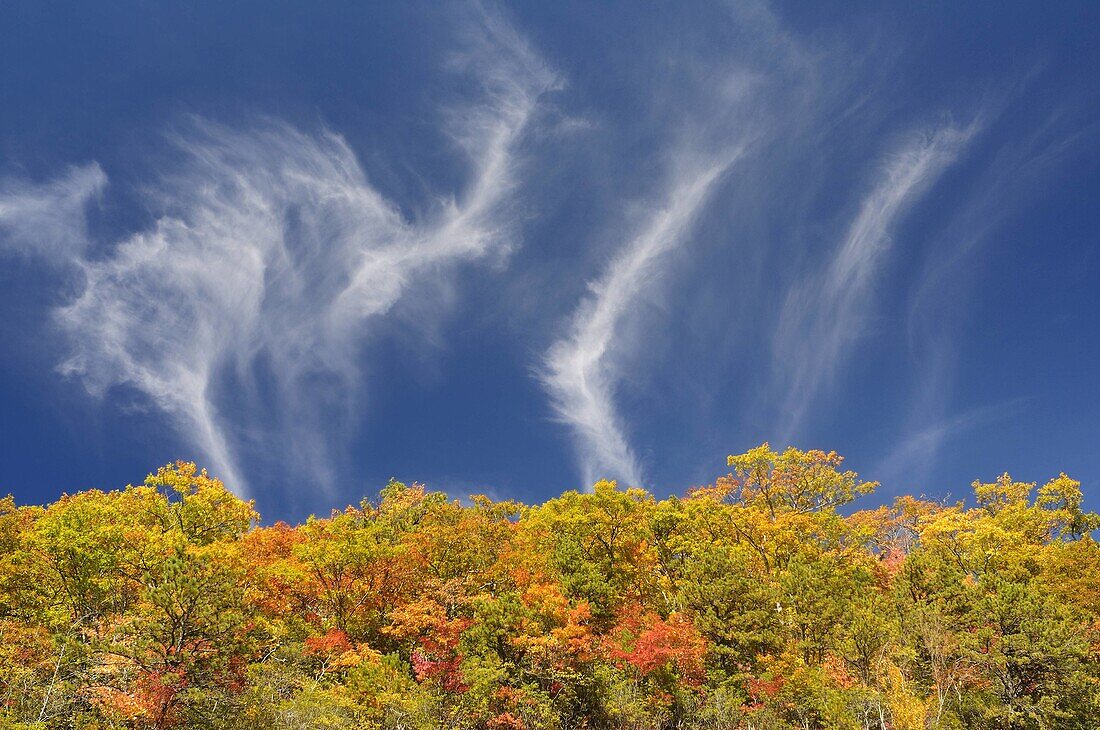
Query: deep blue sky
point(509, 248)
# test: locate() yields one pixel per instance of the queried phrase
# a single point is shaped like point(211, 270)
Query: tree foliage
point(747, 604)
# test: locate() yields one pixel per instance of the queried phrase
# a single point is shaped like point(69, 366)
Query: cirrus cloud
point(240, 311)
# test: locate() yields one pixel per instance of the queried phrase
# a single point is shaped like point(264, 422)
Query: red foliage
point(762, 689)
point(650, 644)
point(438, 657)
point(893, 560)
point(444, 670)
point(334, 643)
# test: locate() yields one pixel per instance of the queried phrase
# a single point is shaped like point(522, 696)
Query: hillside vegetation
point(750, 603)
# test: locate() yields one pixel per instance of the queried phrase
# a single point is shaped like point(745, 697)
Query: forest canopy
point(764, 600)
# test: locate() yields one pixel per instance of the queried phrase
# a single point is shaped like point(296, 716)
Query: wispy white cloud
point(582, 369)
point(48, 219)
point(241, 310)
point(911, 459)
point(939, 310)
point(740, 101)
point(824, 313)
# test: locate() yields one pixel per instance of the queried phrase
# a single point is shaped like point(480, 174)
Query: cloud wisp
point(241, 310)
point(47, 220)
point(732, 97)
point(939, 310)
point(824, 313)
point(581, 369)
point(907, 463)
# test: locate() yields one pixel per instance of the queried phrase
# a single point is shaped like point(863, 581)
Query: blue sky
point(514, 248)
